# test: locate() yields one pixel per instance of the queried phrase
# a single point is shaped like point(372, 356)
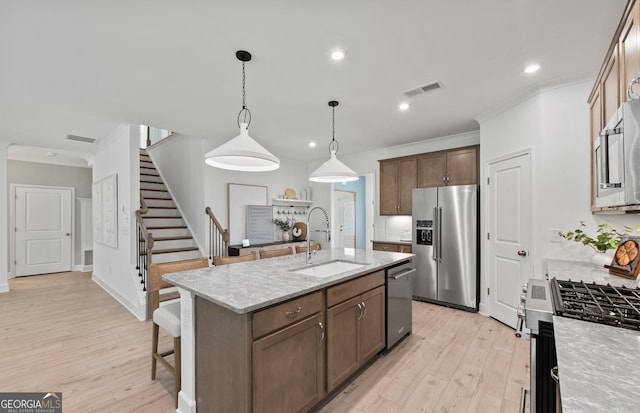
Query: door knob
point(67, 234)
point(522, 253)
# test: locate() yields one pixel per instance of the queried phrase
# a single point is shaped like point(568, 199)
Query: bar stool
point(230, 260)
point(275, 253)
point(167, 316)
point(314, 247)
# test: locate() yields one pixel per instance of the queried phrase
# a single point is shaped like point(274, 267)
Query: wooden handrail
point(218, 237)
point(224, 232)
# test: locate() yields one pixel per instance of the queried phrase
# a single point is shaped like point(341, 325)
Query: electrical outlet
point(554, 235)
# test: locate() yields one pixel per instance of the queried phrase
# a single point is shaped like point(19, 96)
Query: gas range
point(541, 300)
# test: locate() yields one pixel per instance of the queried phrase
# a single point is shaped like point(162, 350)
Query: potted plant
point(606, 238)
point(285, 226)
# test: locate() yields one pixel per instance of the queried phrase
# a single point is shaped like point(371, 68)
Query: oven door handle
point(403, 274)
point(523, 399)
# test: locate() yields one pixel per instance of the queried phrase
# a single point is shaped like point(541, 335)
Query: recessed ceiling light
point(312, 144)
point(337, 54)
point(532, 68)
point(403, 106)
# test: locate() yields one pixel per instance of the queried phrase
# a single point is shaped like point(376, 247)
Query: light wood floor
point(62, 332)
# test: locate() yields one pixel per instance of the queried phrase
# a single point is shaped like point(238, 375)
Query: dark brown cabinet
point(452, 167)
point(621, 64)
point(391, 247)
point(397, 180)
point(355, 329)
point(288, 368)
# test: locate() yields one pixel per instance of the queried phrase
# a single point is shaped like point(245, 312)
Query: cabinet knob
point(444, 179)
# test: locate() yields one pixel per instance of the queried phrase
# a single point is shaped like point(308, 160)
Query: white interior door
point(346, 217)
point(509, 227)
point(42, 230)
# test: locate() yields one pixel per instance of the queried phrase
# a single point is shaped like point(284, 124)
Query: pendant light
point(242, 153)
point(333, 170)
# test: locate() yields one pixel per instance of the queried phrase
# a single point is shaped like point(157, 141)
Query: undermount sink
point(330, 268)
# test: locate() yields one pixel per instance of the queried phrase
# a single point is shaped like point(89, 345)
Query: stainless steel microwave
point(617, 159)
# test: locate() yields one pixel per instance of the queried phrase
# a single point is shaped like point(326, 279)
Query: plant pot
point(600, 259)
point(285, 236)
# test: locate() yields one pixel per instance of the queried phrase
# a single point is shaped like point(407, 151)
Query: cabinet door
point(432, 169)
point(372, 324)
point(629, 53)
point(342, 341)
point(389, 187)
point(596, 126)
point(462, 166)
point(407, 177)
point(405, 249)
point(610, 86)
point(288, 368)
point(381, 246)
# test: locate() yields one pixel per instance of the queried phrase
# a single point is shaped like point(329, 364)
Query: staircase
point(172, 239)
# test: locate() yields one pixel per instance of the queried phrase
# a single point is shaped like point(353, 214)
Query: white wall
point(114, 268)
point(388, 227)
point(180, 161)
point(554, 124)
point(4, 219)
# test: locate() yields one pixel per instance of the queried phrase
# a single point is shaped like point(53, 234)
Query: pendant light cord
point(334, 142)
point(244, 109)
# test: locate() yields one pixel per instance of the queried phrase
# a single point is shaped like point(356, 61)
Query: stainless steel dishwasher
point(399, 295)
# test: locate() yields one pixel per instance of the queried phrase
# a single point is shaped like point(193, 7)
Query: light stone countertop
point(586, 272)
point(248, 286)
point(598, 366)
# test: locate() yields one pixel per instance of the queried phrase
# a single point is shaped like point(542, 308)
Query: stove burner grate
point(606, 304)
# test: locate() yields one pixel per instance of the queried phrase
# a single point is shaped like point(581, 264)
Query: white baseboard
point(86, 268)
point(185, 404)
point(10, 275)
point(4, 288)
point(138, 311)
point(482, 309)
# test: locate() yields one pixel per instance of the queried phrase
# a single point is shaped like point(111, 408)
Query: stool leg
point(154, 350)
point(178, 365)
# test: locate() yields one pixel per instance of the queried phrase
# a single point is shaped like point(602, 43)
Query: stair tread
point(161, 217)
point(169, 227)
point(177, 237)
point(152, 189)
point(160, 207)
point(151, 182)
point(157, 198)
point(170, 250)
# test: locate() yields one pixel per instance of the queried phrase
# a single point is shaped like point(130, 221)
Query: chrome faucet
point(326, 217)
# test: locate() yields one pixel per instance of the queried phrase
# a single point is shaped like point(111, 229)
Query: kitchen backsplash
point(393, 228)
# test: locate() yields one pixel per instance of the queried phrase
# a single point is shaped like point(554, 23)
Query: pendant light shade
point(333, 170)
point(242, 153)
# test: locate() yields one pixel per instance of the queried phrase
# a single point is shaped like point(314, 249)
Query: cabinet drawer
point(381, 246)
point(281, 315)
point(349, 289)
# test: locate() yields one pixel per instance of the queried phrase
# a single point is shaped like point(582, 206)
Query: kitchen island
point(265, 336)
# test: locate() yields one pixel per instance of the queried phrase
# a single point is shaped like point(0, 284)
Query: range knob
point(521, 312)
point(525, 287)
point(523, 298)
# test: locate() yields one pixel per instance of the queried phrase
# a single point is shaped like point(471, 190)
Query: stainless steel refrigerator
point(445, 241)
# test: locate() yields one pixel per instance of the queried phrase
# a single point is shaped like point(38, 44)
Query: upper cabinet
point(620, 65)
point(629, 52)
point(399, 176)
point(453, 167)
point(397, 180)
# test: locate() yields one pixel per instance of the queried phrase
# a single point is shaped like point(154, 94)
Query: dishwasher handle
point(403, 274)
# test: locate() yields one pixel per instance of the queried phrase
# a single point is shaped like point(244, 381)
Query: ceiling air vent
point(430, 87)
point(80, 138)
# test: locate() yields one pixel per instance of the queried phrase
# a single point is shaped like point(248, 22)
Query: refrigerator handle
point(435, 228)
point(439, 234)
